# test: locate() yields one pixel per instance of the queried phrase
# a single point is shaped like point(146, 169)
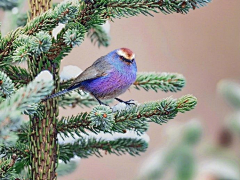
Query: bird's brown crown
point(126, 53)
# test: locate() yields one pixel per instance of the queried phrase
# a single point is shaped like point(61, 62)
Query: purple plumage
point(107, 77)
point(109, 86)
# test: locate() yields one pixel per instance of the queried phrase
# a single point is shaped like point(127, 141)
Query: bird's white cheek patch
point(125, 54)
point(132, 56)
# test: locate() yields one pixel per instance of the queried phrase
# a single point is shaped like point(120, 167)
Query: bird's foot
point(129, 102)
point(101, 103)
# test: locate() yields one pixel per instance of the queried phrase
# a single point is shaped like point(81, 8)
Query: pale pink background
point(203, 45)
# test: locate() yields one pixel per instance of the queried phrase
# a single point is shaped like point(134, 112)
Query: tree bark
point(43, 139)
point(37, 7)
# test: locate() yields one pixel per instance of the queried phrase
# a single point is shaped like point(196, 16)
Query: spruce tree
point(32, 145)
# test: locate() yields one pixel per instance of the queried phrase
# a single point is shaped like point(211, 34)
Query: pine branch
point(136, 118)
point(186, 103)
point(65, 169)
point(24, 100)
point(85, 147)
point(91, 146)
point(81, 99)
point(22, 19)
point(74, 124)
point(174, 156)
point(29, 47)
point(18, 75)
point(21, 150)
point(8, 4)
point(98, 36)
point(126, 8)
point(23, 133)
point(73, 99)
point(25, 97)
point(65, 84)
point(6, 85)
point(72, 35)
point(64, 12)
point(172, 82)
point(88, 14)
point(230, 90)
point(6, 167)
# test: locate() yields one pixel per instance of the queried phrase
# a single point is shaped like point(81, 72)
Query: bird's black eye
point(121, 57)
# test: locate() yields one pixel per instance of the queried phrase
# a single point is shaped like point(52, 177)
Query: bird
point(107, 78)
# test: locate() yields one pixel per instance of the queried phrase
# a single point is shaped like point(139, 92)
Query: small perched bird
point(108, 77)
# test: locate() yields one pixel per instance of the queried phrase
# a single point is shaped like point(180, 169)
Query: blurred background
point(204, 46)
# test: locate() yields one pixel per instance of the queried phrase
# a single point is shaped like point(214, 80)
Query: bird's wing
point(98, 69)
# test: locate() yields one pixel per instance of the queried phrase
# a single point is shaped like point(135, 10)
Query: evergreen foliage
point(230, 90)
point(98, 36)
point(8, 4)
point(178, 157)
point(33, 145)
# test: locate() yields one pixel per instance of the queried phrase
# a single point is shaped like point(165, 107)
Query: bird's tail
point(62, 92)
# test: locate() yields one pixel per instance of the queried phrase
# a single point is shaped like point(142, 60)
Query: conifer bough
point(33, 146)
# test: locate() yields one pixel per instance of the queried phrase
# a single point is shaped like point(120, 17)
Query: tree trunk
point(43, 137)
point(37, 7)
